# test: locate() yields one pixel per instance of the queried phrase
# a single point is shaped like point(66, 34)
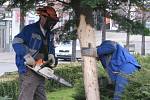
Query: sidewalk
point(7, 57)
point(7, 62)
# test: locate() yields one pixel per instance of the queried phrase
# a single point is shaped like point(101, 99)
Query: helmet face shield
point(49, 24)
point(50, 15)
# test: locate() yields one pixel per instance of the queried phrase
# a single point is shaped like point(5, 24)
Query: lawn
point(61, 94)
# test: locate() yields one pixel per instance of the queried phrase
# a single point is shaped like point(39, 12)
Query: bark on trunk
point(129, 29)
point(104, 29)
point(143, 35)
point(128, 40)
point(87, 39)
point(22, 20)
point(73, 57)
point(143, 45)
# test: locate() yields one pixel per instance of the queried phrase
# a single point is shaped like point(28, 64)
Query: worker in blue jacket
point(118, 63)
point(34, 42)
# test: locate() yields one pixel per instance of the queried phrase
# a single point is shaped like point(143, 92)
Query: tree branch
point(63, 2)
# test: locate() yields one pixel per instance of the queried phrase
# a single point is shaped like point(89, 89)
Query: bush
point(9, 89)
point(79, 90)
point(70, 72)
point(9, 84)
point(106, 90)
point(138, 88)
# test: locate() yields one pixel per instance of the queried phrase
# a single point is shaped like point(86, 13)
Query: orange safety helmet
point(48, 12)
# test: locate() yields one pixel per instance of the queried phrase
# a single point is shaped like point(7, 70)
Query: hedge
point(9, 82)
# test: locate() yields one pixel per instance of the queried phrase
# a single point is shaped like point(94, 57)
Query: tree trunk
point(87, 39)
point(143, 35)
point(127, 40)
point(143, 45)
point(104, 29)
point(22, 20)
point(129, 28)
point(73, 57)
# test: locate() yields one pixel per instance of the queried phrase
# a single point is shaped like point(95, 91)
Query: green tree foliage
point(135, 26)
point(71, 34)
point(94, 3)
point(108, 8)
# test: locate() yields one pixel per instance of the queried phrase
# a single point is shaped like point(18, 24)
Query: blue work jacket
point(30, 40)
point(113, 56)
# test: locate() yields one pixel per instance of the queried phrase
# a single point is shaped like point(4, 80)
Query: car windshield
point(66, 42)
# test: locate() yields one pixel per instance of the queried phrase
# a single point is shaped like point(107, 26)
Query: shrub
point(79, 90)
point(106, 90)
point(9, 89)
point(70, 72)
point(139, 87)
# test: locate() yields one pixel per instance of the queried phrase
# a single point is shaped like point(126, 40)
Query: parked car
point(64, 50)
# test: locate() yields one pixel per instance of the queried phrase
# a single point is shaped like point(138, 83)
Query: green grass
point(61, 94)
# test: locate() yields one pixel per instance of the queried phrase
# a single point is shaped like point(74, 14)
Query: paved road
point(7, 62)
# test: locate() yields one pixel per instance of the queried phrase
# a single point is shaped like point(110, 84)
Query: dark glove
point(53, 61)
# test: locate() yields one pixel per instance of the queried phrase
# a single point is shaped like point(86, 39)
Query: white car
point(64, 50)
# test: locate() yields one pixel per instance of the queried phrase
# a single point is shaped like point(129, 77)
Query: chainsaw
point(47, 72)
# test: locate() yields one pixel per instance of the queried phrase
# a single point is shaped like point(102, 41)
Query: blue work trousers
point(122, 79)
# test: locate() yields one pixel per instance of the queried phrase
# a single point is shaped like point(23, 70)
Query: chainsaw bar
point(48, 73)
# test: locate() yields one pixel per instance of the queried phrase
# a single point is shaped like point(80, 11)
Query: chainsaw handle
point(41, 65)
point(49, 63)
point(46, 62)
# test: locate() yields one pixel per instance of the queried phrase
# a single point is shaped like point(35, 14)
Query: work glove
point(51, 60)
point(29, 60)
